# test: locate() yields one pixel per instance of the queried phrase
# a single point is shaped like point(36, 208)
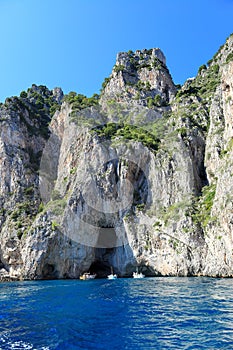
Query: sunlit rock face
point(140, 177)
point(137, 78)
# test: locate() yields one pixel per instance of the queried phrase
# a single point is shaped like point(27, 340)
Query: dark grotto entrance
point(49, 271)
point(102, 263)
point(104, 252)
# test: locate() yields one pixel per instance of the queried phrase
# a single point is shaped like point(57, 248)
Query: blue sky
point(73, 43)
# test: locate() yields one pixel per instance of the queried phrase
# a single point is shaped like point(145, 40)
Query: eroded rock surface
point(141, 176)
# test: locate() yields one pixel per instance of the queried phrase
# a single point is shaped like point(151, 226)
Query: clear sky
point(73, 43)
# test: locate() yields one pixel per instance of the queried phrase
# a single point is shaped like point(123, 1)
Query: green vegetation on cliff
point(203, 85)
point(79, 101)
point(128, 132)
point(203, 204)
point(35, 108)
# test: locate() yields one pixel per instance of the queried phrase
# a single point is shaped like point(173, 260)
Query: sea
point(126, 313)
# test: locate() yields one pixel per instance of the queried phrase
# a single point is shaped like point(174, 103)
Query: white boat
point(138, 275)
point(112, 276)
point(87, 276)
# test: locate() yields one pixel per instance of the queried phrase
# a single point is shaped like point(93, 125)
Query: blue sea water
point(151, 313)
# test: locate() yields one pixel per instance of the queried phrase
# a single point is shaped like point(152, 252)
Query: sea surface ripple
point(151, 313)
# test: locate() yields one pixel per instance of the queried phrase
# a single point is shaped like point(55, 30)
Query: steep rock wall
point(142, 179)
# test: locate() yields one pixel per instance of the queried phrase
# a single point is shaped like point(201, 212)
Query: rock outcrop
point(139, 78)
point(138, 177)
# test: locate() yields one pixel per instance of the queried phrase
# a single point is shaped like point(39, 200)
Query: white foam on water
point(17, 345)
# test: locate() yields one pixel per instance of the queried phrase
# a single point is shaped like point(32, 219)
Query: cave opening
point(104, 252)
point(49, 271)
point(102, 265)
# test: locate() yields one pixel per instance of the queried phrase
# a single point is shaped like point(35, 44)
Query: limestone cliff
point(138, 176)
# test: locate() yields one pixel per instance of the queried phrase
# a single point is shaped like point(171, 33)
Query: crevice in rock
point(2, 266)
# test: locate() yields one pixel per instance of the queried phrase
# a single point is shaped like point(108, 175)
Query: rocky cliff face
point(139, 77)
point(140, 176)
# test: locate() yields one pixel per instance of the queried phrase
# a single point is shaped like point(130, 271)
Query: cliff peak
point(140, 78)
point(141, 55)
